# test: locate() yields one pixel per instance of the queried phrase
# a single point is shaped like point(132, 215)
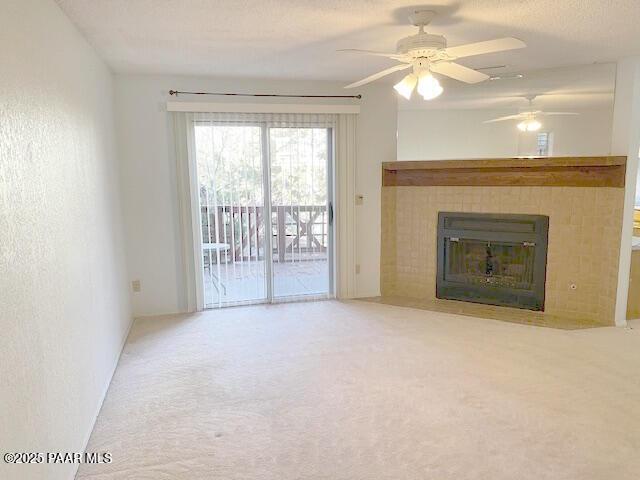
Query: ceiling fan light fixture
point(406, 85)
point(428, 86)
point(534, 125)
point(424, 50)
point(529, 126)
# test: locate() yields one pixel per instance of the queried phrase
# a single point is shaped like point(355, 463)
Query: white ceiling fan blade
point(504, 119)
point(395, 56)
point(489, 46)
point(558, 113)
point(458, 72)
point(378, 75)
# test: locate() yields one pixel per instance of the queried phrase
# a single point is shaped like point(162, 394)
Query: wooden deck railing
point(300, 232)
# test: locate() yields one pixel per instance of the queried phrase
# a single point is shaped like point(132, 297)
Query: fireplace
point(495, 259)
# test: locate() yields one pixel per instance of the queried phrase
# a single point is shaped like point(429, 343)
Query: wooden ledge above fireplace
point(508, 172)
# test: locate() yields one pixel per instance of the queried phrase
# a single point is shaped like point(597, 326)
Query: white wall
point(149, 177)
point(64, 303)
point(625, 140)
point(453, 134)
point(377, 135)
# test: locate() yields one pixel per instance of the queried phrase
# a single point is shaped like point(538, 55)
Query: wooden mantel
point(536, 171)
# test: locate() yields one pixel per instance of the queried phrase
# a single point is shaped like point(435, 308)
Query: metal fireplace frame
point(532, 230)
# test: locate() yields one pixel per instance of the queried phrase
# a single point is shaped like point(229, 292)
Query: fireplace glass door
point(498, 259)
point(500, 264)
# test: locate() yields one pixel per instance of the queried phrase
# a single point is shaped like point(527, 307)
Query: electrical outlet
point(357, 269)
point(135, 285)
point(359, 199)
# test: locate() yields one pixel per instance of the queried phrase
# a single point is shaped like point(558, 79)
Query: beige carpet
point(331, 390)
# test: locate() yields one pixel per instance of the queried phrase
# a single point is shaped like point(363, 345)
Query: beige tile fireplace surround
point(584, 239)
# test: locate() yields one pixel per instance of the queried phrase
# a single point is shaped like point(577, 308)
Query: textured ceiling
point(297, 39)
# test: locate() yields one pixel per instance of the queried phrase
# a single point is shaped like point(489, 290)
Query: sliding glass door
point(253, 178)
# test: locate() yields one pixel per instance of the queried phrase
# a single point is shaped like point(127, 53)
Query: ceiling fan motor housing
point(421, 45)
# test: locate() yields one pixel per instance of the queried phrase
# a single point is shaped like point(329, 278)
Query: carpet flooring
point(356, 390)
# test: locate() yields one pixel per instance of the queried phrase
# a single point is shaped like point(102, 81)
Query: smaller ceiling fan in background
point(426, 53)
point(529, 118)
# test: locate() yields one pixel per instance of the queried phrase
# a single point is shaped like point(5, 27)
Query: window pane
point(299, 158)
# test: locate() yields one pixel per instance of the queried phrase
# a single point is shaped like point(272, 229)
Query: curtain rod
point(176, 92)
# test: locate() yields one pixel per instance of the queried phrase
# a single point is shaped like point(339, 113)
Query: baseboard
point(85, 443)
point(165, 314)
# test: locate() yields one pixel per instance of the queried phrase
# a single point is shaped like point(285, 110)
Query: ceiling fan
point(529, 118)
point(427, 54)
